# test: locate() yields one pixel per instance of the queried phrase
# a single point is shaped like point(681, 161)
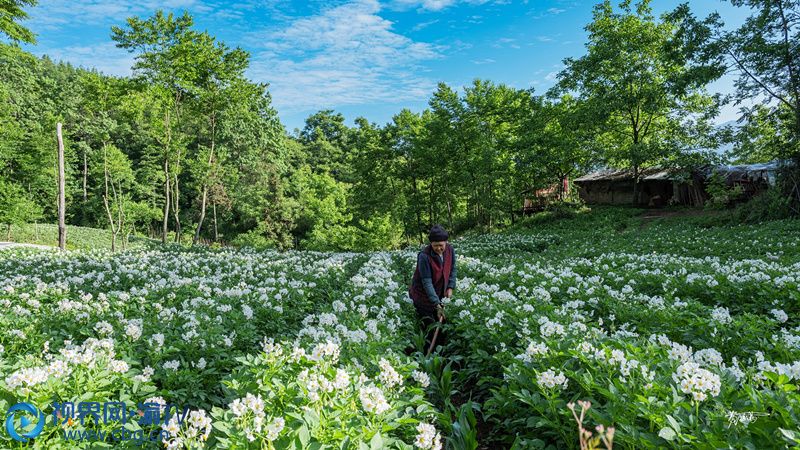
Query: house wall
point(621, 192)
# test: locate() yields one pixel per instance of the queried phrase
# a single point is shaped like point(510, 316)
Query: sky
point(366, 58)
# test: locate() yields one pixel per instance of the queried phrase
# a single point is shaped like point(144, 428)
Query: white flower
point(247, 311)
point(172, 365)
point(119, 366)
point(388, 375)
point(696, 381)
point(427, 437)
point(237, 407)
point(372, 399)
point(421, 377)
point(147, 372)
point(275, 428)
point(548, 379)
point(721, 314)
point(134, 329)
point(779, 315)
point(342, 379)
point(103, 328)
point(534, 349)
point(158, 338)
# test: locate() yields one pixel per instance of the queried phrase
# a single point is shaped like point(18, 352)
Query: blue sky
point(362, 57)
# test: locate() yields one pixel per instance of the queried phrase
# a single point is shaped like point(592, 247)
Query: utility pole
point(62, 228)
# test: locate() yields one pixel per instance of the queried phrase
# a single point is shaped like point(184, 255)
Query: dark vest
point(440, 274)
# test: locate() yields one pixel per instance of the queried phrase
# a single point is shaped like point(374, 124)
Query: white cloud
point(506, 42)
point(344, 55)
point(435, 5)
point(423, 25)
point(106, 58)
point(483, 61)
point(55, 14)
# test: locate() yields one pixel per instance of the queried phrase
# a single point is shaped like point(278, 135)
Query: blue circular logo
point(24, 422)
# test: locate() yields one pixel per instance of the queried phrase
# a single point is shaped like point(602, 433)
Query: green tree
point(327, 138)
point(12, 11)
point(764, 52)
point(222, 72)
point(557, 142)
point(16, 208)
point(641, 84)
point(168, 57)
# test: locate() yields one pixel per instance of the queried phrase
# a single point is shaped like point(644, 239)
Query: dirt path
point(649, 215)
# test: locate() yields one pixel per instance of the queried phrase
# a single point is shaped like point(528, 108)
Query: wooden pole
point(62, 228)
point(435, 335)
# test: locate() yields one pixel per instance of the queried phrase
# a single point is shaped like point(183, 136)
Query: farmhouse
point(536, 200)
point(661, 186)
point(658, 187)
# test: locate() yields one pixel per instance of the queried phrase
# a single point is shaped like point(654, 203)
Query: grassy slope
point(77, 237)
point(684, 233)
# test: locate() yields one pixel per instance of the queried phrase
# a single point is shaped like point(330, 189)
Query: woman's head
point(438, 237)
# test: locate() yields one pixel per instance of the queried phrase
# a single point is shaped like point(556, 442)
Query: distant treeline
point(189, 149)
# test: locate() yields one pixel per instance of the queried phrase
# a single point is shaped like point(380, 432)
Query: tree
point(167, 58)
point(557, 141)
point(764, 52)
point(12, 11)
point(642, 85)
point(118, 175)
point(222, 71)
point(326, 138)
point(15, 207)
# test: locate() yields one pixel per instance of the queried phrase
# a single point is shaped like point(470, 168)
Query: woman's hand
point(448, 293)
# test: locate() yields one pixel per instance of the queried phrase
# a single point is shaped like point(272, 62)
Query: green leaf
point(376, 443)
point(674, 423)
point(304, 435)
point(667, 433)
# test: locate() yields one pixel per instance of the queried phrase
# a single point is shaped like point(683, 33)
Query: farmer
point(434, 280)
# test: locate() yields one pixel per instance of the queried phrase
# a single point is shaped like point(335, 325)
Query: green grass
point(588, 232)
point(78, 238)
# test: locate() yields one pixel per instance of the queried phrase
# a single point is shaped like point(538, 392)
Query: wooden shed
point(658, 187)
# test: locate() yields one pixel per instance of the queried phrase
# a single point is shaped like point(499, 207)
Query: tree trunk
point(205, 190)
point(635, 185)
point(416, 209)
point(167, 194)
point(430, 204)
point(62, 228)
point(85, 171)
point(105, 200)
point(175, 211)
point(216, 234)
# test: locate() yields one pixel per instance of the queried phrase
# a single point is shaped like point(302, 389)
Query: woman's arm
point(425, 274)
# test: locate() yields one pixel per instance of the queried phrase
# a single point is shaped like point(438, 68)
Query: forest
point(188, 149)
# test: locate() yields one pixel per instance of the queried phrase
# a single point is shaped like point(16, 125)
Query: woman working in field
point(434, 280)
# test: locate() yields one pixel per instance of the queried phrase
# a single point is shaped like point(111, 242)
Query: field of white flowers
point(679, 334)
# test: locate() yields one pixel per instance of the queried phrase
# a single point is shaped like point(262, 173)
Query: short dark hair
point(437, 233)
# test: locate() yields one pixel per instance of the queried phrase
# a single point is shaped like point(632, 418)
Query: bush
point(770, 205)
point(253, 238)
point(721, 194)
